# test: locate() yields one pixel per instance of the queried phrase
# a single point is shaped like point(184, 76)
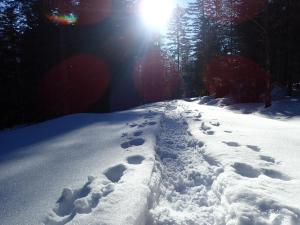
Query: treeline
point(219, 47)
point(229, 47)
point(41, 38)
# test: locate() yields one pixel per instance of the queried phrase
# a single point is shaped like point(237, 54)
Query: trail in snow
point(187, 175)
point(170, 163)
point(197, 187)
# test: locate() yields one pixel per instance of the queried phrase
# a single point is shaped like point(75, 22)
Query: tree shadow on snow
point(13, 143)
point(283, 109)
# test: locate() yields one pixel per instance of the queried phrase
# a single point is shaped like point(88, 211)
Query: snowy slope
point(227, 168)
point(38, 162)
point(178, 162)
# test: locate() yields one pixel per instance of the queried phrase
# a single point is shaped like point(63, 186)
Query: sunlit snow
point(194, 161)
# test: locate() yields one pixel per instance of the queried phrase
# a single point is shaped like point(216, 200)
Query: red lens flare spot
point(74, 85)
point(156, 78)
point(237, 76)
point(76, 12)
point(93, 11)
point(236, 12)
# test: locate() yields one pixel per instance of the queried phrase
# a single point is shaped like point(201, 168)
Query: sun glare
point(156, 13)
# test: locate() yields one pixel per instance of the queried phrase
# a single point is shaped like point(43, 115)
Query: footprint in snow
point(115, 173)
point(275, 174)
point(65, 204)
point(198, 116)
point(253, 148)
point(137, 142)
point(133, 142)
point(150, 115)
point(215, 123)
point(211, 160)
point(210, 132)
point(232, 144)
point(151, 123)
point(246, 170)
point(143, 125)
point(228, 131)
point(132, 125)
point(135, 159)
point(267, 158)
point(125, 145)
point(147, 123)
point(78, 201)
point(206, 129)
point(138, 133)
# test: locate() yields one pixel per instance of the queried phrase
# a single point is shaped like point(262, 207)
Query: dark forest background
point(217, 48)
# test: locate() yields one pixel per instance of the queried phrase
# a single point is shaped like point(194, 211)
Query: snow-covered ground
point(184, 162)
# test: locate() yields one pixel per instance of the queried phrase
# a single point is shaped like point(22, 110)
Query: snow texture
point(184, 162)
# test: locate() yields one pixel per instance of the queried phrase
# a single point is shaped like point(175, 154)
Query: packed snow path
point(170, 163)
point(187, 175)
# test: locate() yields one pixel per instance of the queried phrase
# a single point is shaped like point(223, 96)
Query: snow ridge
point(187, 176)
point(196, 187)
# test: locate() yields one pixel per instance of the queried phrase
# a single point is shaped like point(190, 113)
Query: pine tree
point(177, 42)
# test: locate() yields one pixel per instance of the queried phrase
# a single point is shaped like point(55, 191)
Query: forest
point(234, 48)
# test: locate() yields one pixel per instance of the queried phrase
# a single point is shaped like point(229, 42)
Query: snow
point(40, 162)
point(184, 162)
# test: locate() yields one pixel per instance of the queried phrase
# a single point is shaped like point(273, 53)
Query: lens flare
point(76, 12)
point(74, 85)
point(93, 11)
point(156, 78)
point(156, 13)
point(237, 76)
point(69, 19)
